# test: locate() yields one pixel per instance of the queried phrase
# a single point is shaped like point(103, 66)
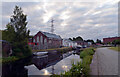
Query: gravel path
point(105, 62)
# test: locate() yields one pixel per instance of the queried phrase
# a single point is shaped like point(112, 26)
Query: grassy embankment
point(11, 59)
point(81, 68)
point(115, 48)
point(87, 56)
point(8, 59)
point(62, 50)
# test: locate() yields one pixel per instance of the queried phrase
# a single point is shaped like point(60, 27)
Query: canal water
point(60, 67)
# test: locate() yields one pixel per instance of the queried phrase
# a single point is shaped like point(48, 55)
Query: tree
point(98, 41)
point(17, 33)
point(89, 40)
point(116, 42)
point(70, 39)
point(78, 38)
point(9, 33)
point(73, 39)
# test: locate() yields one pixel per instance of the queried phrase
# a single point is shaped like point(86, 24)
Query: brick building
point(110, 39)
point(45, 40)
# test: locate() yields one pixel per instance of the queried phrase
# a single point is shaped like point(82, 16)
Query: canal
point(48, 64)
point(57, 68)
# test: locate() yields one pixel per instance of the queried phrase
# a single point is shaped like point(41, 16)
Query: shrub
point(86, 65)
point(75, 71)
point(8, 59)
point(83, 54)
point(86, 52)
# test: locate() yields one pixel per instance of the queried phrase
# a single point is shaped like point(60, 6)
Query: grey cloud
point(78, 24)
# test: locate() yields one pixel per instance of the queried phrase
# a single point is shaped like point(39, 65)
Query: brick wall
point(109, 40)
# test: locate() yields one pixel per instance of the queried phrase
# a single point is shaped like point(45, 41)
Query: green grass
point(62, 50)
point(8, 59)
point(86, 55)
point(11, 59)
point(86, 52)
point(115, 48)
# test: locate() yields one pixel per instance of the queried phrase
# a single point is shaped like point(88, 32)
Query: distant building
point(98, 44)
point(84, 43)
point(109, 39)
point(68, 43)
point(45, 40)
point(89, 43)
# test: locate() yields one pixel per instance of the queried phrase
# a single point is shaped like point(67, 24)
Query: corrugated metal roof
point(50, 35)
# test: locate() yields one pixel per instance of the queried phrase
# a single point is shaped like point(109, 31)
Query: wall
point(50, 43)
point(107, 40)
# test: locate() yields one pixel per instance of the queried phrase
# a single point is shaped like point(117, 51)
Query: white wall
point(68, 43)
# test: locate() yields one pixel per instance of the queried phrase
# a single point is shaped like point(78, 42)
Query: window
point(37, 38)
point(45, 40)
point(33, 40)
point(41, 39)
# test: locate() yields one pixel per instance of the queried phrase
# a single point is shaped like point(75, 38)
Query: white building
point(89, 43)
point(68, 43)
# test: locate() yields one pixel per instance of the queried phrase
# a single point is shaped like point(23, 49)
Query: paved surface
point(105, 62)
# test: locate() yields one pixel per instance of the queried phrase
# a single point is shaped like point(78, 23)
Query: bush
point(8, 59)
point(27, 51)
point(86, 55)
point(83, 54)
point(86, 52)
point(75, 71)
point(86, 65)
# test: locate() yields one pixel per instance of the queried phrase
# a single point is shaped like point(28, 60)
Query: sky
point(90, 20)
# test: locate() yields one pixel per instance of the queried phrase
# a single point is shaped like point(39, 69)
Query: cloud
point(91, 20)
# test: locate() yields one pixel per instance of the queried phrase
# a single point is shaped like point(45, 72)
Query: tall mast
point(52, 26)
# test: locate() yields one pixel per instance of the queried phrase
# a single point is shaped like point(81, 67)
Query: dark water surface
point(60, 67)
point(52, 63)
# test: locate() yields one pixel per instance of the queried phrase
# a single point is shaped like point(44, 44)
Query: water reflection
point(60, 67)
point(45, 72)
point(64, 67)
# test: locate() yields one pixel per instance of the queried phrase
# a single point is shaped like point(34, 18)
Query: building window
point(37, 38)
point(45, 40)
point(41, 39)
point(33, 40)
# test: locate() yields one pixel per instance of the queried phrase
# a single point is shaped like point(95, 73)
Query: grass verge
point(8, 59)
point(62, 50)
point(11, 59)
point(86, 55)
point(115, 48)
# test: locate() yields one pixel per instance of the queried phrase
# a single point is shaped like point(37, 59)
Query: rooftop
point(50, 35)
